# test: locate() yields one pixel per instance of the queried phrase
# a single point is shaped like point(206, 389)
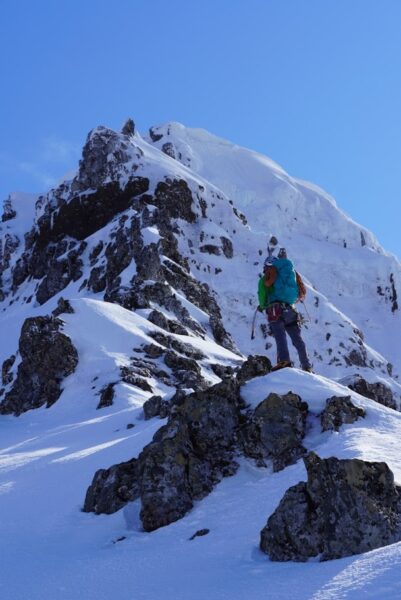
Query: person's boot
point(282, 364)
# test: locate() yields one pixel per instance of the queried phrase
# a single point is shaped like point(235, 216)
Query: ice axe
point(306, 310)
point(254, 325)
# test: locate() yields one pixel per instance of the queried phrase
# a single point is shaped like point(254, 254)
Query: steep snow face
point(338, 257)
point(270, 198)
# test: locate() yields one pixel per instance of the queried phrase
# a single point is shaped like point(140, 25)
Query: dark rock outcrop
point(198, 446)
point(8, 210)
point(88, 212)
point(339, 410)
point(175, 199)
point(106, 396)
point(378, 392)
point(275, 430)
point(186, 458)
point(156, 407)
point(105, 156)
point(63, 307)
point(346, 507)
point(254, 366)
point(48, 356)
point(112, 488)
point(128, 127)
point(6, 375)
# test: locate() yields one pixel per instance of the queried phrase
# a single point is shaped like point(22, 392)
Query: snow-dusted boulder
point(186, 458)
point(339, 410)
point(47, 357)
point(346, 507)
point(377, 391)
point(275, 430)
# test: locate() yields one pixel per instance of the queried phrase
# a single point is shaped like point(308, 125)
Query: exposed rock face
point(346, 507)
point(275, 430)
point(106, 396)
point(90, 211)
point(8, 210)
point(198, 446)
point(6, 376)
point(63, 306)
point(175, 198)
point(128, 127)
point(357, 357)
point(254, 366)
point(104, 154)
point(375, 391)
point(339, 411)
point(48, 356)
point(187, 457)
point(156, 407)
point(112, 488)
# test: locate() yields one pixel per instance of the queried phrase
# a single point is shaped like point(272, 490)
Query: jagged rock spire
point(128, 127)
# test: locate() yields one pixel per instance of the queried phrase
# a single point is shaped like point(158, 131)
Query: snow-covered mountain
point(129, 290)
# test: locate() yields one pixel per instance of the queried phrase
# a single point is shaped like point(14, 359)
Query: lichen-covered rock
point(128, 127)
point(339, 410)
point(156, 407)
point(112, 488)
point(177, 362)
point(169, 325)
point(275, 430)
point(63, 306)
point(6, 375)
point(222, 371)
point(186, 370)
point(48, 356)
point(346, 507)
point(186, 458)
point(175, 198)
point(153, 351)
point(104, 155)
point(357, 357)
point(88, 212)
point(254, 366)
point(8, 210)
point(106, 396)
point(378, 391)
point(190, 455)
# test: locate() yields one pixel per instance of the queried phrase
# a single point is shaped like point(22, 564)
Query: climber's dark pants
point(279, 330)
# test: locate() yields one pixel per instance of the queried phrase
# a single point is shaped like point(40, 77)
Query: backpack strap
point(301, 287)
point(270, 276)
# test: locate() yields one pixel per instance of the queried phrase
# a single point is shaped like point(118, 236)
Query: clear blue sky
point(314, 84)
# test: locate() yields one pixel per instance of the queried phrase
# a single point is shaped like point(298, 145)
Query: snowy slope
point(350, 268)
point(48, 458)
point(50, 549)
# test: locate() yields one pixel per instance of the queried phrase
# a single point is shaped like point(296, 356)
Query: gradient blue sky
point(314, 84)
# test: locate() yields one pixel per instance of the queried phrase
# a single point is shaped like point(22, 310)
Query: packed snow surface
point(48, 458)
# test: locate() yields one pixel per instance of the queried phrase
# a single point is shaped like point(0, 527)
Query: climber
point(279, 288)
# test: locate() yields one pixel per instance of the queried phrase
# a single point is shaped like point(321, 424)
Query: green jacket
point(264, 293)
